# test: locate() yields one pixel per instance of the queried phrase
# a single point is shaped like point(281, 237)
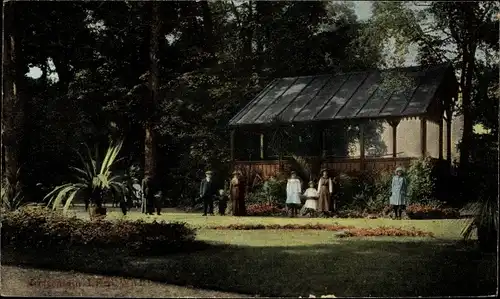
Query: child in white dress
point(311, 205)
point(293, 191)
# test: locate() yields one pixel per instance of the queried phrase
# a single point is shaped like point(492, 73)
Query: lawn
point(303, 262)
point(445, 228)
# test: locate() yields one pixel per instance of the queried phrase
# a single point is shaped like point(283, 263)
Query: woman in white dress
point(293, 191)
point(311, 205)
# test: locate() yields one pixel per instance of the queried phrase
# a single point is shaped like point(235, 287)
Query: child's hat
point(208, 172)
point(400, 169)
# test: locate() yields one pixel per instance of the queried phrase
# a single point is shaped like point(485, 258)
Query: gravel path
point(21, 281)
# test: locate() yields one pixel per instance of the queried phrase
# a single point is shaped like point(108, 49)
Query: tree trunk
point(13, 106)
point(150, 141)
point(209, 33)
point(466, 103)
point(247, 37)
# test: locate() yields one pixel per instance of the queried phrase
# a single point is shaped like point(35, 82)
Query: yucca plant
point(11, 193)
point(485, 208)
point(484, 222)
point(94, 180)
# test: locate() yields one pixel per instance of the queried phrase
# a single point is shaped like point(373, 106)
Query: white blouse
point(311, 192)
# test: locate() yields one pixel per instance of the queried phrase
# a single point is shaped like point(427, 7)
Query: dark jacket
point(223, 199)
point(207, 189)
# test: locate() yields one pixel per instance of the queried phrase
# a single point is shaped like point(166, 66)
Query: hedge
point(36, 228)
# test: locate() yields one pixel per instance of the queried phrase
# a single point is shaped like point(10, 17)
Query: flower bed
point(265, 210)
point(422, 211)
point(41, 229)
point(348, 231)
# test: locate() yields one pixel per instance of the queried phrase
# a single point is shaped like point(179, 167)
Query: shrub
point(256, 197)
point(272, 192)
point(421, 182)
point(35, 228)
point(347, 190)
point(265, 210)
point(382, 192)
point(275, 190)
point(366, 193)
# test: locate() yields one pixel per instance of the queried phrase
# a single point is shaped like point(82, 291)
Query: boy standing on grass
point(398, 193)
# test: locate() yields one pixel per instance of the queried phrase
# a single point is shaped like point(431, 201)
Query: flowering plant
point(265, 209)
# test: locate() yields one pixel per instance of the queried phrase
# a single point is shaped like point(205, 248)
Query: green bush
point(256, 197)
point(421, 182)
point(37, 228)
point(382, 192)
point(365, 193)
point(273, 191)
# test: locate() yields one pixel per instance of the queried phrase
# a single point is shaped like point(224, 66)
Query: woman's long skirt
point(324, 199)
point(238, 201)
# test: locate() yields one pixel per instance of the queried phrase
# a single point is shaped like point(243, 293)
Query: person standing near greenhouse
point(398, 193)
point(325, 190)
point(293, 192)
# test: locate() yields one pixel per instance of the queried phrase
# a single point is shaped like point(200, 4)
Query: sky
point(362, 9)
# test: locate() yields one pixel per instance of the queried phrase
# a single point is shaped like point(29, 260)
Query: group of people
point(320, 200)
point(208, 193)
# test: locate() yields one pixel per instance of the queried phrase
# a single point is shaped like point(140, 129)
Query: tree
point(13, 100)
point(151, 102)
point(444, 32)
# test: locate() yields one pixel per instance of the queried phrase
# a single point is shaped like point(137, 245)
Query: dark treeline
point(168, 76)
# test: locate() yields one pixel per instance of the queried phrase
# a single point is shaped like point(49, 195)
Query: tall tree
point(152, 100)
point(444, 32)
point(12, 101)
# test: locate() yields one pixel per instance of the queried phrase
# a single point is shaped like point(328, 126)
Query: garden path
point(22, 281)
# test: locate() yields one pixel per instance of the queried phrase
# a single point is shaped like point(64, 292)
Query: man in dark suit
point(207, 193)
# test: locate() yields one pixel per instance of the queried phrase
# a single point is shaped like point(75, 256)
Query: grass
point(299, 263)
point(443, 228)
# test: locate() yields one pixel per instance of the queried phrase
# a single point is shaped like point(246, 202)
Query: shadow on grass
point(347, 268)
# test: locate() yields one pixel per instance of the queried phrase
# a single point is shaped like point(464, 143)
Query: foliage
point(256, 197)
point(275, 190)
point(11, 193)
point(38, 228)
point(308, 168)
point(451, 32)
point(265, 209)
point(364, 193)
point(271, 192)
point(94, 180)
point(383, 190)
point(421, 182)
point(484, 221)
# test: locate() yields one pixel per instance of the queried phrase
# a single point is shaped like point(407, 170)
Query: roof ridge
point(369, 70)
